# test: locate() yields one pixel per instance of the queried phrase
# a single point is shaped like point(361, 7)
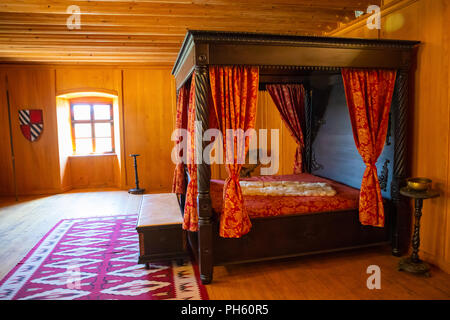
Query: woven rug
point(96, 259)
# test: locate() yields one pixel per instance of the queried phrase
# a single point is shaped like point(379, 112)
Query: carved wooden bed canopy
point(281, 59)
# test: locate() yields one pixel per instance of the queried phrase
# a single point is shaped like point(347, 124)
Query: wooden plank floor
point(24, 223)
point(328, 276)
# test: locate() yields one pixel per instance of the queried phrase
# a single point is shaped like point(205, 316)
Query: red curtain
point(369, 95)
point(234, 91)
point(180, 123)
point(290, 102)
point(190, 208)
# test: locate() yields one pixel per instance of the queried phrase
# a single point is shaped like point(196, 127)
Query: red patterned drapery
point(234, 91)
point(369, 95)
point(290, 102)
point(179, 182)
point(190, 221)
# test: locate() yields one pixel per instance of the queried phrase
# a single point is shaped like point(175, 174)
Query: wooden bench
point(159, 226)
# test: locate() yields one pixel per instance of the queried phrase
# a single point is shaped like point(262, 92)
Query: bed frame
point(283, 59)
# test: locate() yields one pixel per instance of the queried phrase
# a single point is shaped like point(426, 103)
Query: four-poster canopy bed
point(274, 59)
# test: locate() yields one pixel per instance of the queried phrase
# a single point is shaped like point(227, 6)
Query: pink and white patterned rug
point(96, 259)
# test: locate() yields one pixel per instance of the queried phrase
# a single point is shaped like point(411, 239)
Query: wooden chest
point(159, 226)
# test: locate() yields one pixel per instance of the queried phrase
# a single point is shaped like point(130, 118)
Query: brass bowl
point(418, 184)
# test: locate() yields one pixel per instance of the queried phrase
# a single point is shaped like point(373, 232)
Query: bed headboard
point(333, 152)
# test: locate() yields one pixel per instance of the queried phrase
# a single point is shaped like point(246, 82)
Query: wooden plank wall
point(429, 126)
point(35, 162)
point(145, 119)
point(146, 98)
point(269, 118)
point(149, 100)
point(6, 172)
point(94, 171)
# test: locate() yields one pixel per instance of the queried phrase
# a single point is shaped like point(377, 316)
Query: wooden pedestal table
point(413, 264)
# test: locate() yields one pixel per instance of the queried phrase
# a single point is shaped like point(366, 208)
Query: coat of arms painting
point(31, 123)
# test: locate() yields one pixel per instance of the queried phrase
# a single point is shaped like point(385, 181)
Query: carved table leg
point(413, 264)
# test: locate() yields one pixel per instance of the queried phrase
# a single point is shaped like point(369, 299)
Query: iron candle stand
point(136, 190)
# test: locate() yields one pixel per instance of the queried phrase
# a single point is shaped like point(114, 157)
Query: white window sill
point(93, 155)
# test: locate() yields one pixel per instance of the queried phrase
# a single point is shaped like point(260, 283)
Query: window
point(92, 125)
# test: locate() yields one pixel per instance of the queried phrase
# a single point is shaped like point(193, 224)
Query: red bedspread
point(266, 206)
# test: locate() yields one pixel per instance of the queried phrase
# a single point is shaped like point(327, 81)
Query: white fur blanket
point(287, 188)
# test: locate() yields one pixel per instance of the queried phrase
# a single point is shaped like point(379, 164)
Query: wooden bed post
point(204, 208)
point(308, 129)
point(401, 223)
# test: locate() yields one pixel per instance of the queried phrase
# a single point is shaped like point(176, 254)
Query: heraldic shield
point(31, 123)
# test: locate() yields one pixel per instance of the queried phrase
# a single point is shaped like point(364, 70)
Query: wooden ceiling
point(151, 31)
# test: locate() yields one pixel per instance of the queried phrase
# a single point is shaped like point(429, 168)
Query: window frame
point(91, 101)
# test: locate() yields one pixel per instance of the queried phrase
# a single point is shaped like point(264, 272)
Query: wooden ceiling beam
point(93, 31)
point(147, 30)
point(6, 41)
point(79, 38)
point(18, 57)
point(83, 48)
point(171, 7)
point(323, 4)
point(168, 22)
point(83, 53)
point(225, 14)
point(158, 9)
point(70, 37)
point(89, 55)
point(151, 31)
